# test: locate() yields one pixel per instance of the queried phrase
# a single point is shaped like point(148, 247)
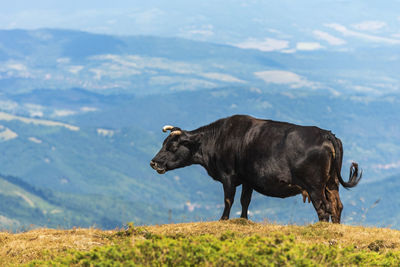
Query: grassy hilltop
point(230, 243)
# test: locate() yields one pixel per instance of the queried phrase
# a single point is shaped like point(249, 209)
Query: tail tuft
point(354, 178)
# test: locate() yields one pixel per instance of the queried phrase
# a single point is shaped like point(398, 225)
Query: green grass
point(228, 249)
point(239, 244)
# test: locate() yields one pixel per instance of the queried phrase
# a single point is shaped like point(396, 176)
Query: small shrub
point(376, 245)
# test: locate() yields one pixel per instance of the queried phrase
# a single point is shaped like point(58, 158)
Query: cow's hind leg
point(229, 196)
point(336, 204)
point(316, 170)
point(321, 205)
point(339, 207)
point(332, 193)
point(245, 199)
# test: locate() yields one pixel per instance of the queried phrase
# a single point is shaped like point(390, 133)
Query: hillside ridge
point(332, 243)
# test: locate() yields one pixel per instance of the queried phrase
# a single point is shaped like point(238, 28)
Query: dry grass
point(46, 244)
point(342, 235)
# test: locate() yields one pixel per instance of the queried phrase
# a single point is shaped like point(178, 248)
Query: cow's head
point(177, 151)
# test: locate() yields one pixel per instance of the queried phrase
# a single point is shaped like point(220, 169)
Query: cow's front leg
point(245, 199)
point(229, 196)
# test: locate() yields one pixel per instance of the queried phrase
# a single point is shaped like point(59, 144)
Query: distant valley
point(81, 117)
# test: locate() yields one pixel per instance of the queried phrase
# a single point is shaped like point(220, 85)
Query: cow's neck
point(205, 154)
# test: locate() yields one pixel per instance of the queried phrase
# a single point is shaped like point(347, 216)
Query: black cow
point(274, 158)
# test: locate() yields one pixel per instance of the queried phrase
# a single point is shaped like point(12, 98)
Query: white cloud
point(63, 113)
point(371, 25)
point(34, 110)
point(105, 132)
point(285, 77)
point(255, 90)
point(17, 66)
point(118, 66)
point(192, 84)
point(396, 35)
point(75, 69)
point(6, 134)
point(181, 83)
point(332, 40)
point(365, 89)
point(373, 38)
point(35, 140)
point(63, 60)
point(206, 33)
point(202, 32)
point(14, 68)
point(221, 77)
point(24, 197)
point(266, 45)
point(88, 109)
point(388, 166)
point(289, 51)
point(308, 46)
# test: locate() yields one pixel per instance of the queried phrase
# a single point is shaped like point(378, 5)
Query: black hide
point(276, 159)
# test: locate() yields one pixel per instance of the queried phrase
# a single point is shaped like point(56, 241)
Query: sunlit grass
point(231, 243)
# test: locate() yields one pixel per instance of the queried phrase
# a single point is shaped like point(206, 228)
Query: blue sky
point(286, 26)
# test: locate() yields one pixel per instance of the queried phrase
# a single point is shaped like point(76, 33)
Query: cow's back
point(266, 152)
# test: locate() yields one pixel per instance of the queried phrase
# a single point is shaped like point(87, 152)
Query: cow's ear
point(192, 141)
point(197, 137)
point(187, 137)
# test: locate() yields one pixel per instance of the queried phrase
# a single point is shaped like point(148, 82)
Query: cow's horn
point(177, 132)
point(167, 127)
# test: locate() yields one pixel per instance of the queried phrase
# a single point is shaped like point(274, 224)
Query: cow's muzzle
point(158, 168)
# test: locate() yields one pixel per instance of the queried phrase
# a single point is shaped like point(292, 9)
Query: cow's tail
point(354, 177)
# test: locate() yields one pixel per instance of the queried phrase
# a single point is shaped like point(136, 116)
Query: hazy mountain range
point(287, 26)
point(81, 117)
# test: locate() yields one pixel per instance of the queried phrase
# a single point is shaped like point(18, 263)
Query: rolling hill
point(81, 117)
